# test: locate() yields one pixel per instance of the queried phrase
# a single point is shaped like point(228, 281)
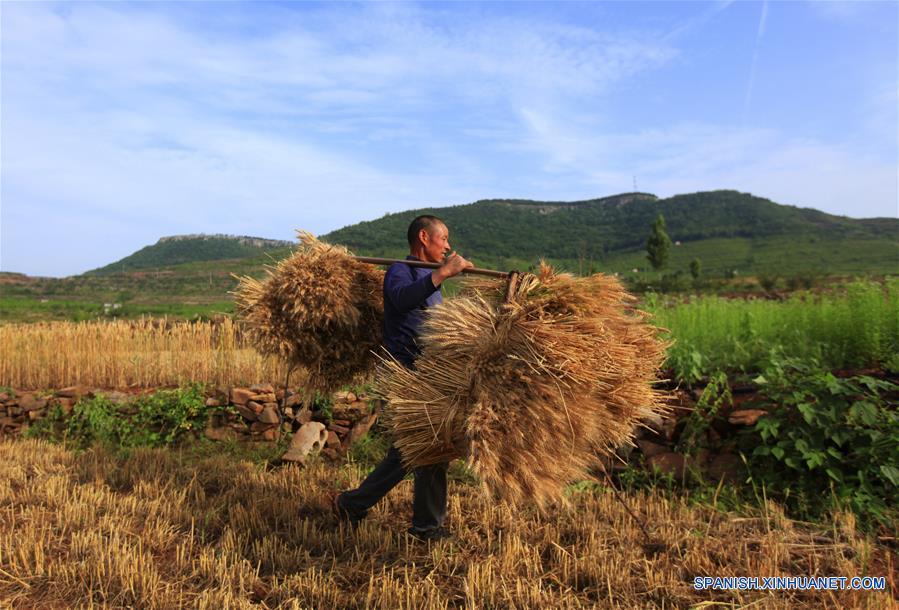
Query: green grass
point(31, 309)
point(783, 256)
point(856, 327)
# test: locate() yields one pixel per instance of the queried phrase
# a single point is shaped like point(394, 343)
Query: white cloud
point(147, 122)
point(689, 157)
point(122, 123)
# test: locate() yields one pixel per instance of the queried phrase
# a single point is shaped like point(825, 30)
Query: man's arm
point(405, 294)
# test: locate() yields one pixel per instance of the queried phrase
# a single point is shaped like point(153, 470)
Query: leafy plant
point(159, 419)
point(823, 433)
point(714, 396)
point(687, 362)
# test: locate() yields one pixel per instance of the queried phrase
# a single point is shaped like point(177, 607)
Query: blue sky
point(122, 123)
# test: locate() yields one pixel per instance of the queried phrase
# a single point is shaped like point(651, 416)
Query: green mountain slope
point(730, 232)
point(181, 249)
point(593, 229)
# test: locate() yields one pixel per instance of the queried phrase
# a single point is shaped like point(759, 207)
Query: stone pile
point(19, 409)
point(657, 440)
point(255, 414)
point(251, 414)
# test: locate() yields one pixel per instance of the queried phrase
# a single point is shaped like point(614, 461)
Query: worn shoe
point(439, 533)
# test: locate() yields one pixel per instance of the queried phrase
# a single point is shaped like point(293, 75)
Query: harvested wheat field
point(130, 353)
point(168, 529)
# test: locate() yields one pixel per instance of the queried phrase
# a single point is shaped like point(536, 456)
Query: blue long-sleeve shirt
point(408, 292)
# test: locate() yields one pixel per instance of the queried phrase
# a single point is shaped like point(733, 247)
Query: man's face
point(436, 242)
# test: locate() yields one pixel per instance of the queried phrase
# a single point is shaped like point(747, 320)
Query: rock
point(333, 440)
point(330, 454)
point(342, 422)
point(222, 393)
point(74, 391)
point(241, 396)
point(288, 413)
point(217, 420)
point(338, 397)
point(239, 427)
point(4, 396)
point(115, 397)
point(263, 388)
point(246, 412)
point(669, 463)
point(263, 398)
point(303, 416)
point(294, 400)
point(727, 466)
point(269, 415)
point(746, 417)
point(341, 430)
point(654, 423)
point(256, 406)
point(258, 427)
point(279, 394)
point(350, 397)
point(347, 414)
point(28, 402)
point(219, 434)
point(213, 402)
point(310, 438)
point(272, 434)
point(650, 449)
point(37, 414)
point(624, 451)
point(361, 428)
point(66, 404)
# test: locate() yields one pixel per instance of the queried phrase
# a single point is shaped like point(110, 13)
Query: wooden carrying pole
point(390, 261)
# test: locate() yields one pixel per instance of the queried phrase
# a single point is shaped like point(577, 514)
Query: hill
point(612, 230)
point(733, 234)
point(179, 249)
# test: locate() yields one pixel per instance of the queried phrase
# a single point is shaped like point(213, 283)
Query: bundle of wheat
point(531, 389)
point(318, 309)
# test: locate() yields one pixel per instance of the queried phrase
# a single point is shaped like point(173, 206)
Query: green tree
point(695, 268)
point(658, 245)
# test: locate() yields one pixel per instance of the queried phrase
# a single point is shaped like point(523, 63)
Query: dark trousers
point(428, 504)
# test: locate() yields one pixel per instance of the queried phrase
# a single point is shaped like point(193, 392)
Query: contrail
point(755, 57)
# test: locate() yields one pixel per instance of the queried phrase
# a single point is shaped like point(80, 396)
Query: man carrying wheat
point(408, 292)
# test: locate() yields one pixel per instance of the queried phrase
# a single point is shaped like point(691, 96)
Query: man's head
point(428, 238)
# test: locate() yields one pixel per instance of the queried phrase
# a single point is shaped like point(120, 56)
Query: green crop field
point(857, 326)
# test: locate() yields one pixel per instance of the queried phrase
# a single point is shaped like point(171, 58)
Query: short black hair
point(425, 221)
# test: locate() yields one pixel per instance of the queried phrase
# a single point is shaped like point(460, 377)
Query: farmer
point(408, 291)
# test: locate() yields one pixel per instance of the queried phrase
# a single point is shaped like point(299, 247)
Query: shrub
point(156, 420)
point(823, 433)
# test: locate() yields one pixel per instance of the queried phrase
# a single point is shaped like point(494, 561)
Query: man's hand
point(452, 265)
